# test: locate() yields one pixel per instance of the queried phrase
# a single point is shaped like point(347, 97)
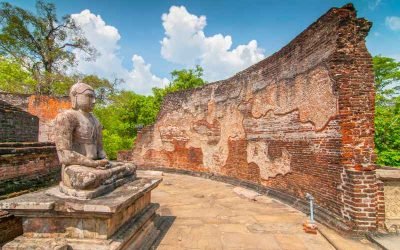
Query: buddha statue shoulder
point(78, 138)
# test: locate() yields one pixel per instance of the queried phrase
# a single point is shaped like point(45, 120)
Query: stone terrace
point(206, 214)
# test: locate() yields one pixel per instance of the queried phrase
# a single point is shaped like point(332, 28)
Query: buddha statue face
point(82, 97)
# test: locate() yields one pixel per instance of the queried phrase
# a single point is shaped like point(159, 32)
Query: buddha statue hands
point(103, 164)
point(79, 144)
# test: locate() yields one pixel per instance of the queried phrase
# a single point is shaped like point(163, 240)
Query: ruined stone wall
point(19, 100)
point(17, 125)
point(25, 166)
point(124, 155)
point(10, 227)
point(45, 108)
point(300, 121)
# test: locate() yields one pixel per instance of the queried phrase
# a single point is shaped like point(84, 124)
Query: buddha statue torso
point(86, 129)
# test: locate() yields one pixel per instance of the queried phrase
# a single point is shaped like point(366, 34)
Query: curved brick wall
point(299, 121)
point(45, 108)
point(27, 166)
point(17, 125)
point(24, 166)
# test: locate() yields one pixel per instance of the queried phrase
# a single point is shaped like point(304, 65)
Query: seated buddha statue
point(86, 172)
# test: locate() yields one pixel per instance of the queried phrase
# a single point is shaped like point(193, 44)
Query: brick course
point(10, 227)
point(26, 166)
point(17, 125)
point(45, 108)
point(300, 121)
point(124, 155)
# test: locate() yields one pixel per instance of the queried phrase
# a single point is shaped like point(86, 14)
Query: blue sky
point(222, 36)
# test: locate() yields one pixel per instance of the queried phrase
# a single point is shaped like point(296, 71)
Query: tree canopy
point(41, 43)
point(14, 79)
point(387, 77)
point(387, 110)
point(181, 80)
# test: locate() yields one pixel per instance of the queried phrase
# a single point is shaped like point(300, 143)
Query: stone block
point(118, 220)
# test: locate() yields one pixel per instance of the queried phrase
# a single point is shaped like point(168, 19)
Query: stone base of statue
point(121, 219)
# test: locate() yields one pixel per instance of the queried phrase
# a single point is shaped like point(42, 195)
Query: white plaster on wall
point(257, 152)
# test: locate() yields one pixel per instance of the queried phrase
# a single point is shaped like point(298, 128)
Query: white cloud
point(108, 64)
point(393, 22)
point(185, 43)
point(141, 75)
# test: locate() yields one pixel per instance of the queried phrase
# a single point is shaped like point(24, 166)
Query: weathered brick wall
point(10, 227)
point(19, 100)
point(124, 155)
point(45, 108)
point(300, 121)
point(26, 166)
point(17, 125)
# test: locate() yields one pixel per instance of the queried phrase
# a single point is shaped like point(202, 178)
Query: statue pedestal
point(121, 219)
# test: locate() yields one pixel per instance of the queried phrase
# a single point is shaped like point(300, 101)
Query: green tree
point(387, 75)
point(387, 110)
point(41, 43)
point(14, 79)
point(102, 86)
point(387, 133)
point(121, 118)
point(181, 80)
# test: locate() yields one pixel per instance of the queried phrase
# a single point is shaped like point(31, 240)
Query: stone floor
point(206, 214)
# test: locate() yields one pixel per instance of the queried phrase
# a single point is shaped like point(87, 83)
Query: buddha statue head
point(82, 97)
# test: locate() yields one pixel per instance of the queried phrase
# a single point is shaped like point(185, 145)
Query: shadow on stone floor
point(163, 223)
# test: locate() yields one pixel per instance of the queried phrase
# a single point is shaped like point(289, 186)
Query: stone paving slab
point(214, 215)
point(211, 215)
point(389, 242)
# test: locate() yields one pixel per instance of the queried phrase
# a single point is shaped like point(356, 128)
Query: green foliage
point(114, 143)
point(41, 43)
point(14, 79)
point(101, 86)
point(387, 110)
point(121, 118)
point(387, 133)
point(181, 80)
point(387, 77)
